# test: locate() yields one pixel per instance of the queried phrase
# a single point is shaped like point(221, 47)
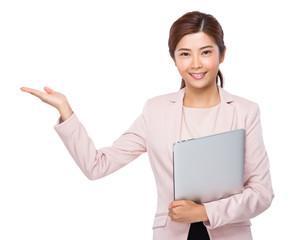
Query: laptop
point(209, 168)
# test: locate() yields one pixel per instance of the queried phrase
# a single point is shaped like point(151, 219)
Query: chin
point(199, 85)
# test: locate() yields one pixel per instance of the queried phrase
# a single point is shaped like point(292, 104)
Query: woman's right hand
point(55, 99)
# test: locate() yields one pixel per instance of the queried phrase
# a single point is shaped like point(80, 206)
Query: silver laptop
point(209, 168)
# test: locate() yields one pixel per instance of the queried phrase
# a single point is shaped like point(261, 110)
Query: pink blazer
point(155, 131)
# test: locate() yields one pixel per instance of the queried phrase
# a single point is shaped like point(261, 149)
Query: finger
point(174, 217)
point(25, 89)
point(177, 203)
point(170, 214)
point(48, 90)
point(32, 91)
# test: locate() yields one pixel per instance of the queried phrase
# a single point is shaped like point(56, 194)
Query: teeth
point(197, 75)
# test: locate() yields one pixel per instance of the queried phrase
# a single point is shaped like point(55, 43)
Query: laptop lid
point(209, 168)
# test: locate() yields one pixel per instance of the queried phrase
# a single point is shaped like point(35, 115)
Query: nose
point(196, 62)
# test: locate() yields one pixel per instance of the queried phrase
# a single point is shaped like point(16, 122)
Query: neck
point(201, 98)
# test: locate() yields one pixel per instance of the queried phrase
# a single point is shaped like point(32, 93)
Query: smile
point(198, 75)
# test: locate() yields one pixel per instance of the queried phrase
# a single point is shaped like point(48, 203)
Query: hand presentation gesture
point(53, 98)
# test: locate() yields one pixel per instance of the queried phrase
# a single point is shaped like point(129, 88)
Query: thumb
point(48, 90)
point(176, 203)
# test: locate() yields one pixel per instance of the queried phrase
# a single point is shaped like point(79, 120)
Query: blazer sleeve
point(258, 193)
point(97, 163)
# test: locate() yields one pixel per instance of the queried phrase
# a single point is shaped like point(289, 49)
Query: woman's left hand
point(187, 211)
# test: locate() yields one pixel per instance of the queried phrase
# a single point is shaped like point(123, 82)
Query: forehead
point(195, 41)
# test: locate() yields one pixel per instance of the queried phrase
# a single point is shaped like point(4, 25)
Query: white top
point(198, 122)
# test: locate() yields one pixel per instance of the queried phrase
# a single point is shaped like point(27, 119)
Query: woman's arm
point(98, 163)
point(258, 193)
point(95, 163)
point(65, 111)
point(256, 197)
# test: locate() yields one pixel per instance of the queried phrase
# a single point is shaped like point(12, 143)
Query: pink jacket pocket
point(160, 220)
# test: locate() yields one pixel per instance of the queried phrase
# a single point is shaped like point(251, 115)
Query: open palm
point(53, 98)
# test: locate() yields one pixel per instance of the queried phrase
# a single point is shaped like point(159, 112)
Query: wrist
point(65, 111)
point(203, 213)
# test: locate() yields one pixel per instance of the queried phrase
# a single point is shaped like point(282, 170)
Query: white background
point(108, 58)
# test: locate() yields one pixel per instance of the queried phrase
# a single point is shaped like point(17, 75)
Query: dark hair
point(194, 22)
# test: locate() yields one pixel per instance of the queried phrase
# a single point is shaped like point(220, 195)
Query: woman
point(201, 107)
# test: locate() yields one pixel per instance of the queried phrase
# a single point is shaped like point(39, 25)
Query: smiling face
point(197, 59)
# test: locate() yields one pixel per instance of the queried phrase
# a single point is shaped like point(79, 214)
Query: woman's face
point(197, 59)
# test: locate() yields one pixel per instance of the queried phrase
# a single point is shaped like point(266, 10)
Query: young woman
point(201, 107)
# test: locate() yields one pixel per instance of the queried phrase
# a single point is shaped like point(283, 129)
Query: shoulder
point(240, 103)
point(245, 109)
point(156, 107)
point(165, 97)
point(162, 100)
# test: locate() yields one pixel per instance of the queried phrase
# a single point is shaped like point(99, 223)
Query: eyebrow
point(187, 49)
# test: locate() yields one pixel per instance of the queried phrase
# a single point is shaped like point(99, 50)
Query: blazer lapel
point(174, 119)
point(226, 112)
point(174, 116)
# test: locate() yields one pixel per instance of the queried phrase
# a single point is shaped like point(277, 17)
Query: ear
point(223, 56)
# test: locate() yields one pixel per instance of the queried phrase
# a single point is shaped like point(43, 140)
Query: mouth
point(198, 75)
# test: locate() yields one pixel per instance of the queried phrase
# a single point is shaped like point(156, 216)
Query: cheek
point(212, 64)
point(182, 65)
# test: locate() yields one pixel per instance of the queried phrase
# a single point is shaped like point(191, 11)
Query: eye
point(206, 52)
point(184, 54)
